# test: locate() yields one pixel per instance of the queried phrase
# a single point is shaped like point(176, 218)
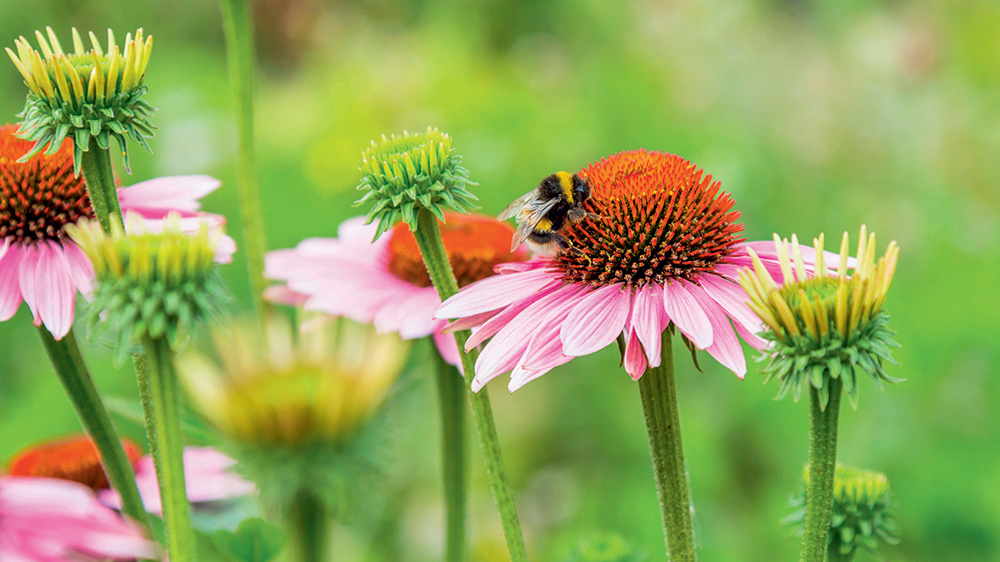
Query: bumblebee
point(544, 211)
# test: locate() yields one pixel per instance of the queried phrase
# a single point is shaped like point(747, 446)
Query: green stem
point(100, 176)
point(163, 428)
point(428, 236)
point(240, 56)
point(68, 362)
point(822, 467)
point(659, 404)
point(310, 527)
point(835, 556)
point(451, 396)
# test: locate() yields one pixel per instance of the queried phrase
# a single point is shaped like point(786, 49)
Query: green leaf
point(255, 540)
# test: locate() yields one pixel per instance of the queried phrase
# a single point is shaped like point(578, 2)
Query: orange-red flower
point(70, 458)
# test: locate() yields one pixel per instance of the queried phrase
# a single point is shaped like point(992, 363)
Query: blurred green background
point(816, 116)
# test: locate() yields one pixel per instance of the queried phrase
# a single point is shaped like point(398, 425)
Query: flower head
point(385, 281)
point(864, 511)
point(152, 284)
point(51, 520)
point(208, 479)
point(404, 173)
point(825, 326)
point(664, 252)
point(74, 458)
point(87, 93)
point(42, 266)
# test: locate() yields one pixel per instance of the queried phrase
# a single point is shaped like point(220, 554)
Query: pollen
point(475, 244)
point(74, 458)
point(660, 218)
point(40, 196)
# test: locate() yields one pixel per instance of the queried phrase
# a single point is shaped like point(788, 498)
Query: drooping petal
point(501, 319)
point(495, 292)
point(634, 360)
point(733, 299)
point(181, 193)
point(596, 320)
point(26, 278)
point(55, 292)
point(649, 318)
point(10, 288)
point(686, 313)
point(725, 348)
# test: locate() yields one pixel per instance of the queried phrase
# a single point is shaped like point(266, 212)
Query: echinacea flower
point(70, 458)
point(207, 474)
point(664, 252)
point(385, 281)
point(39, 264)
point(51, 520)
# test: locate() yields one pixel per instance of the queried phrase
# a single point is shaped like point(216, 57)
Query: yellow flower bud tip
point(815, 319)
point(270, 391)
point(84, 94)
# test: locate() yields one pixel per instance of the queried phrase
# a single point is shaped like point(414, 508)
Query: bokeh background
point(816, 116)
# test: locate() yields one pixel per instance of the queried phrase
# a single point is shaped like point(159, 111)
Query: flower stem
point(240, 57)
point(310, 527)
point(163, 429)
point(428, 236)
point(453, 458)
point(822, 466)
point(68, 362)
point(835, 556)
point(659, 404)
point(100, 176)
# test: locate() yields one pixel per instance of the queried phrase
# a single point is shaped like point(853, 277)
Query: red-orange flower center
point(660, 218)
point(41, 195)
point(74, 458)
point(474, 244)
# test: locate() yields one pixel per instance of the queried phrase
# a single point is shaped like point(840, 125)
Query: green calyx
point(404, 173)
point(84, 94)
point(864, 512)
point(800, 361)
point(155, 285)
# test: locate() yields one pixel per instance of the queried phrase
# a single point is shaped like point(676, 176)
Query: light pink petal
point(470, 322)
point(27, 279)
point(180, 193)
point(733, 299)
point(10, 288)
point(686, 313)
point(81, 271)
point(355, 230)
point(281, 294)
point(649, 318)
point(545, 349)
point(521, 266)
point(520, 376)
point(448, 348)
point(765, 249)
point(55, 292)
point(596, 320)
point(751, 338)
point(725, 348)
point(501, 319)
point(634, 360)
point(495, 292)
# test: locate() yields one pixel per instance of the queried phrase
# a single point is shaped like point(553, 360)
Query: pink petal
point(596, 320)
point(634, 360)
point(649, 319)
point(733, 299)
point(180, 193)
point(499, 320)
point(545, 349)
point(81, 271)
point(26, 278)
point(521, 266)
point(470, 322)
point(448, 348)
point(10, 289)
point(520, 377)
point(495, 292)
point(55, 292)
point(686, 313)
point(752, 339)
point(354, 229)
point(725, 348)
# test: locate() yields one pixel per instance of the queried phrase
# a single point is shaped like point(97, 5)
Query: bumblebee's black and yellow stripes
point(543, 212)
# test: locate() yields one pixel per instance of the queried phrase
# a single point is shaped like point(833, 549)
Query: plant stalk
point(659, 404)
point(454, 464)
point(822, 467)
point(100, 176)
point(236, 18)
point(163, 429)
point(76, 380)
point(428, 236)
point(310, 527)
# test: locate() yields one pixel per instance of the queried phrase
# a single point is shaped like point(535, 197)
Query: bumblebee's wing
point(516, 205)
point(531, 215)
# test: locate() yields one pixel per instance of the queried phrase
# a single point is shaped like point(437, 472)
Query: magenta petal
point(596, 320)
point(733, 299)
point(10, 288)
point(81, 271)
point(725, 348)
point(499, 320)
point(649, 318)
point(172, 192)
point(55, 292)
point(634, 360)
point(26, 278)
point(469, 322)
point(495, 292)
point(686, 312)
point(448, 348)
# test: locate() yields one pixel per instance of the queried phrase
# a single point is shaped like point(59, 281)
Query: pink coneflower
point(207, 477)
point(665, 251)
point(38, 263)
point(385, 281)
point(50, 520)
point(72, 458)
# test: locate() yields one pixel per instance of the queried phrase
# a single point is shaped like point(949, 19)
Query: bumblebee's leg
point(577, 215)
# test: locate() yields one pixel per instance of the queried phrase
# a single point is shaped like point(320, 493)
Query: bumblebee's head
point(581, 189)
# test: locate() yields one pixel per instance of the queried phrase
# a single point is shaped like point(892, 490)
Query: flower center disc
point(661, 218)
point(40, 196)
point(474, 244)
point(75, 459)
